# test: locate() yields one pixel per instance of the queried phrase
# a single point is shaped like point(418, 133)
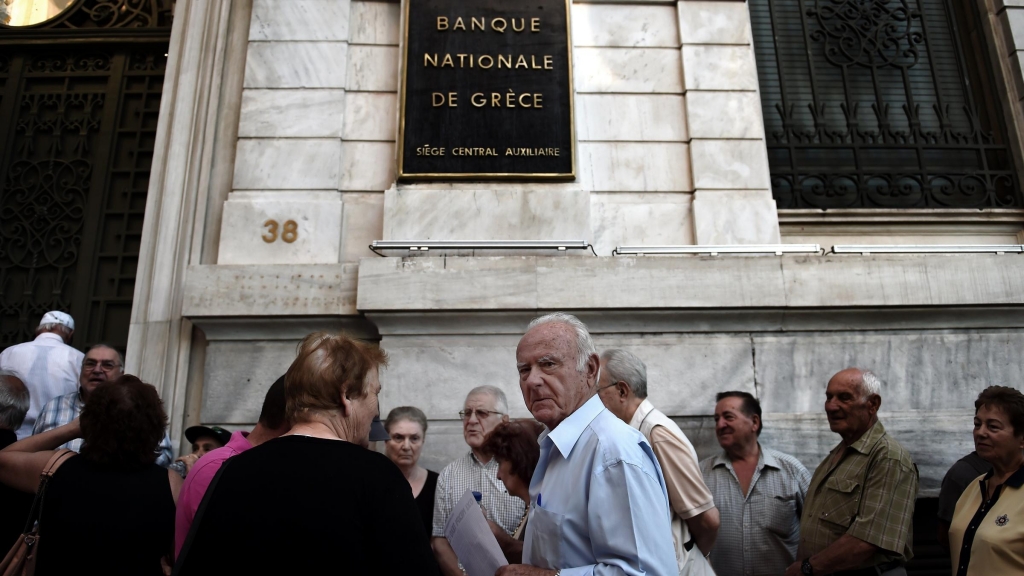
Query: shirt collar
point(239, 441)
point(476, 461)
point(566, 434)
point(764, 458)
point(865, 442)
point(767, 459)
point(641, 413)
point(1016, 480)
point(50, 336)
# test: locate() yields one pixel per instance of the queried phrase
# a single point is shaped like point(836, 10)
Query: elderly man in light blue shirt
point(598, 504)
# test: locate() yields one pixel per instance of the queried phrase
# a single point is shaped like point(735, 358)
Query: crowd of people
point(598, 482)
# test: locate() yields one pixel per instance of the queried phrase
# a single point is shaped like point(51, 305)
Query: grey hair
point(870, 383)
point(410, 413)
point(584, 344)
point(14, 401)
point(625, 366)
point(500, 401)
point(55, 328)
point(120, 357)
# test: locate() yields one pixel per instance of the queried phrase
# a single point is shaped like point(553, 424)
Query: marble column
point(190, 152)
point(732, 187)
point(285, 205)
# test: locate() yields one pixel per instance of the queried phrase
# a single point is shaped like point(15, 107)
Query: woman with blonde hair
point(315, 497)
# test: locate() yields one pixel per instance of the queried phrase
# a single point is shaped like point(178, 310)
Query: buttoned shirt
point(868, 493)
point(759, 531)
point(598, 502)
point(63, 409)
point(198, 480)
point(48, 367)
point(469, 474)
point(987, 537)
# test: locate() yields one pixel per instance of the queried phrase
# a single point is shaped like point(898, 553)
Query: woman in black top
point(109, 510)
point(314, 500)
point(407, 427)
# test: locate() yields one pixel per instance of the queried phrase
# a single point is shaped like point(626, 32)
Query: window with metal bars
point(880, 104)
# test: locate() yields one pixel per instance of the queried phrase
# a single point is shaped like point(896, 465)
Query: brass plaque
point(487, 91)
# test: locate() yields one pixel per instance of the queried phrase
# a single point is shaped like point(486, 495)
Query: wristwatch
point(806, 567)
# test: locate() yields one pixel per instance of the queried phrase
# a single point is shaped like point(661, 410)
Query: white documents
point(471, 538)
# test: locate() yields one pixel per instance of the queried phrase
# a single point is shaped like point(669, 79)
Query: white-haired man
point(859, 513)
point(484, 409)
point(598, 504)
point(47, 365)
point(102, 363)
point(695, 521)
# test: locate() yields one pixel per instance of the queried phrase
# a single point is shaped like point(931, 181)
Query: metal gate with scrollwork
point(880, 104)
point(79, 100)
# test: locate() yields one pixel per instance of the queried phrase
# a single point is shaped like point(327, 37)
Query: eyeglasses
point(105, 365)
point(480, 414)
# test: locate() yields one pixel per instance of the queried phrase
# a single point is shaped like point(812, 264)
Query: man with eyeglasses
point(101, 364)
point(484, 409)
point(47, 365)
point(695, 519)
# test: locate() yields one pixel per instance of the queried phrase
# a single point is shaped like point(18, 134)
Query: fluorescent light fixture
point(427, 245)
point(927, 249)
point(777, 249)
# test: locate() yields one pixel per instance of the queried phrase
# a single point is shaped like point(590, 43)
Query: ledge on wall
point(690, 282)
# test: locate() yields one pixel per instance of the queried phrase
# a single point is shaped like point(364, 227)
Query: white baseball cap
point(58, 317)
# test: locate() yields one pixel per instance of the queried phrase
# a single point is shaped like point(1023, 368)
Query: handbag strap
point(59, 457)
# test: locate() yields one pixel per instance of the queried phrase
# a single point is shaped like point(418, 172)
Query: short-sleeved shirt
point(468, 473)
point(759, 531)
point(988, 537)
point(63, 409)
point(48, 367)
point(957, 479)
point(198, 480)
point(869, 494)
point(688, 496)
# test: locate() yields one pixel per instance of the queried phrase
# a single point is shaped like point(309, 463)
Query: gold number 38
point(289, 232)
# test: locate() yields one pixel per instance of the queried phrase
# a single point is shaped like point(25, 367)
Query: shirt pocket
point(841, 502)
point(777, 513)
point(545, 538)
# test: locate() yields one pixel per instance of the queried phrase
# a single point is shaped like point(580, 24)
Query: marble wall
point(670, 144)
point(316, 131)
point(671, 151)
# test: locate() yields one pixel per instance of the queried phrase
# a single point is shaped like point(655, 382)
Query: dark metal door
point(79, 100)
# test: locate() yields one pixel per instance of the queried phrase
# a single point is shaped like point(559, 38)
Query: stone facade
point(277, 141)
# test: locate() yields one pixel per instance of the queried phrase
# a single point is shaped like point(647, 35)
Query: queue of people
point(598, 482)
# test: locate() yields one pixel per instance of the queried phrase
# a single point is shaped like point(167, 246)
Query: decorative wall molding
point(196, 91)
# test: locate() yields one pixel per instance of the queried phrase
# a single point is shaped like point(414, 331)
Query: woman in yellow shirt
point(987, 533)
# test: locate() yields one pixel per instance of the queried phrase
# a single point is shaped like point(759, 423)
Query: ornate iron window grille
point(78, 117)
point(870, 104)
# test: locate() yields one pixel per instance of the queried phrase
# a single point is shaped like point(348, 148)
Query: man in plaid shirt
point(859, 513)
point(101, 363)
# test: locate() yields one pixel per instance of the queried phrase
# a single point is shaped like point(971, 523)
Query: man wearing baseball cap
point(206, 438)
point(47, 365)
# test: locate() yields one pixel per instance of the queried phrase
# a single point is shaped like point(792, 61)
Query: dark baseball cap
point(377, 431)
point(216, 432)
